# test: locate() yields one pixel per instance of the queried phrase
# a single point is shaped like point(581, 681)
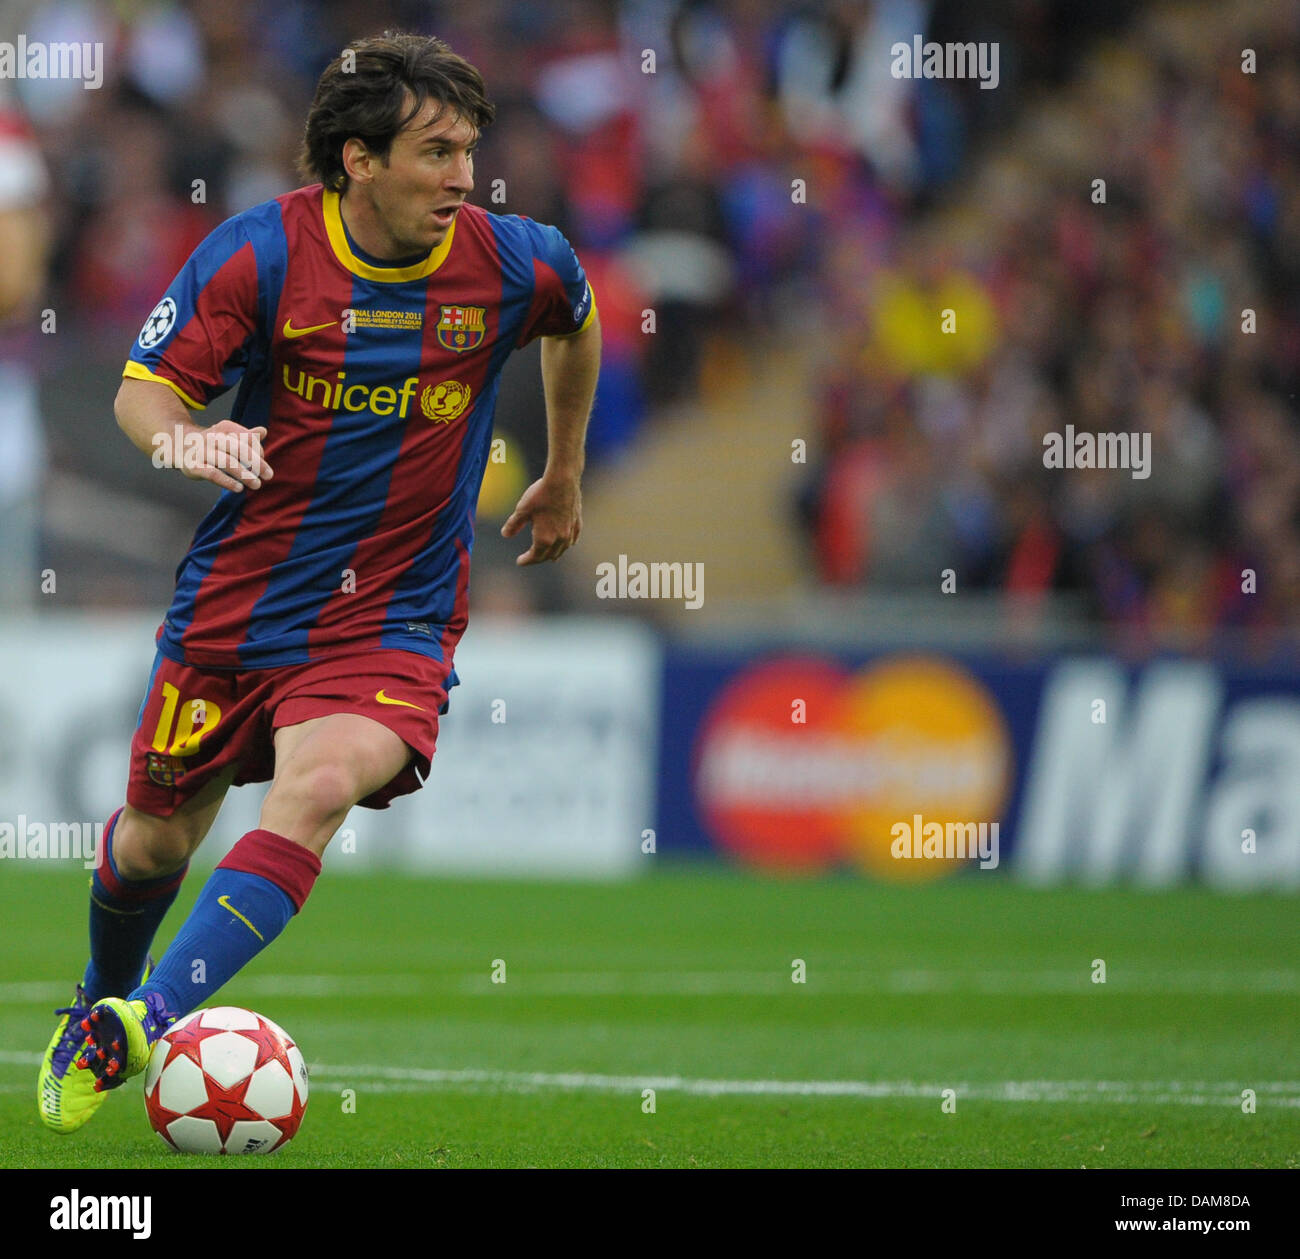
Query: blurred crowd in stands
point(1171, 308)
point(673, 180)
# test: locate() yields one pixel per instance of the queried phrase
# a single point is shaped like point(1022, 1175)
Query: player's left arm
point(553, 503)
point(563, 314)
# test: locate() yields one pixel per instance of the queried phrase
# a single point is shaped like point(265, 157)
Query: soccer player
point(310, 640)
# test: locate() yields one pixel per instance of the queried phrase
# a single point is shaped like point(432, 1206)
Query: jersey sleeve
point(563, 302)
point(196, 340)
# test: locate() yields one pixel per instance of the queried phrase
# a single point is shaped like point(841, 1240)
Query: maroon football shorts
point(196, 723)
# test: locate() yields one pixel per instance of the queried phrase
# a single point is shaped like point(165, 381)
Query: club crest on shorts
point(461, 328)
point(164, 770)
point(444, 401)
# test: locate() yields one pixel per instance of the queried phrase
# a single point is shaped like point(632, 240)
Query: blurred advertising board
point(906, 765)
point(545, 763)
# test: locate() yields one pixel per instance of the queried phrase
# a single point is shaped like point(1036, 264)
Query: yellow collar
point(390, 275)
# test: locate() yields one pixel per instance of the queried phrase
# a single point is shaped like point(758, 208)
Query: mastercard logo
point(801, 764)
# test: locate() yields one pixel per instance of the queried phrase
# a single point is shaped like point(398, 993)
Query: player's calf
point(147, 847)
point(246, 903)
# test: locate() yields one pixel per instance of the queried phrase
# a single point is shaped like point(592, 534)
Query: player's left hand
point(554, 508)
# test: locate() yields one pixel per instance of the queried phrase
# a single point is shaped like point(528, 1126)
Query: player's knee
point(324, 791)
point(146, 846)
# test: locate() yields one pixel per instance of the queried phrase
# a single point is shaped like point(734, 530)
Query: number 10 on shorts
point(197, 718)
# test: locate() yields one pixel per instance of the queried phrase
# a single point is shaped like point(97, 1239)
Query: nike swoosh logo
point(383, 699)
point(225, 902)
point(290, 331)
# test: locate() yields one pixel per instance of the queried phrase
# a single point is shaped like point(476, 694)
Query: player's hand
point(231, 457)
point(554, 509)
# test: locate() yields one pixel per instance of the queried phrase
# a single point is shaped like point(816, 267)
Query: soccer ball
point(225, 1081)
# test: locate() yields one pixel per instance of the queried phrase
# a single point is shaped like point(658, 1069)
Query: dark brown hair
point(372, 99)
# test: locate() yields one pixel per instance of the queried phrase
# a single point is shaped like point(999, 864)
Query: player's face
point(417, 193)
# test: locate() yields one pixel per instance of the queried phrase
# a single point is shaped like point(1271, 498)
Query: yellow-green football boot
point(65, 1096)
point(120, 1036)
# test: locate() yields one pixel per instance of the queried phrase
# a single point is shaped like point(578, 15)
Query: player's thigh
point(326, 764)
point(146, 845)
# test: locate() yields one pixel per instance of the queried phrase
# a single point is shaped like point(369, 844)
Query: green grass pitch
point(683, 982)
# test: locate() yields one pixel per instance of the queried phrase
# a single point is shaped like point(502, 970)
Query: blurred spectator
point(23, 247)
point(1123, 316)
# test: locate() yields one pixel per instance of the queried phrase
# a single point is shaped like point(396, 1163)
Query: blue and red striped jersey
point(377, 386)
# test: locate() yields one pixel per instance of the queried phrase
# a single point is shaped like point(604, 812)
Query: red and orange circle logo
point(802, 765)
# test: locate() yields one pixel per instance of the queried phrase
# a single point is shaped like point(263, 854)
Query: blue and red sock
point(124, 916)
point(247, 901)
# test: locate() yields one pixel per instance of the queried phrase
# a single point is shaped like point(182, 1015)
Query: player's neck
point(365, 230)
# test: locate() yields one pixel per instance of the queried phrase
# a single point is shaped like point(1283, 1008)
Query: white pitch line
point(421, 1079)
point(25, 993)
point(334, 985)
point(387, 1079)
point(686, 983)
point(1009, 1092)
point(747, 983)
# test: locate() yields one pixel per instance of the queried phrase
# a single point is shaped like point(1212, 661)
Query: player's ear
point(357, 160)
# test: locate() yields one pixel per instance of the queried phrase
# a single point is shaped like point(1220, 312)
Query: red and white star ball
point(225, 1081)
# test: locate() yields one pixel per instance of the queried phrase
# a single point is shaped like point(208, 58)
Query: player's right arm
point(192, 348)
point(158, 423)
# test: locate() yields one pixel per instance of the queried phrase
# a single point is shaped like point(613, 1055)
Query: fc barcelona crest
point(164, 770)
point(461, 328)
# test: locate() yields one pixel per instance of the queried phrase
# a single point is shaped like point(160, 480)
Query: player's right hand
point(231, 457)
